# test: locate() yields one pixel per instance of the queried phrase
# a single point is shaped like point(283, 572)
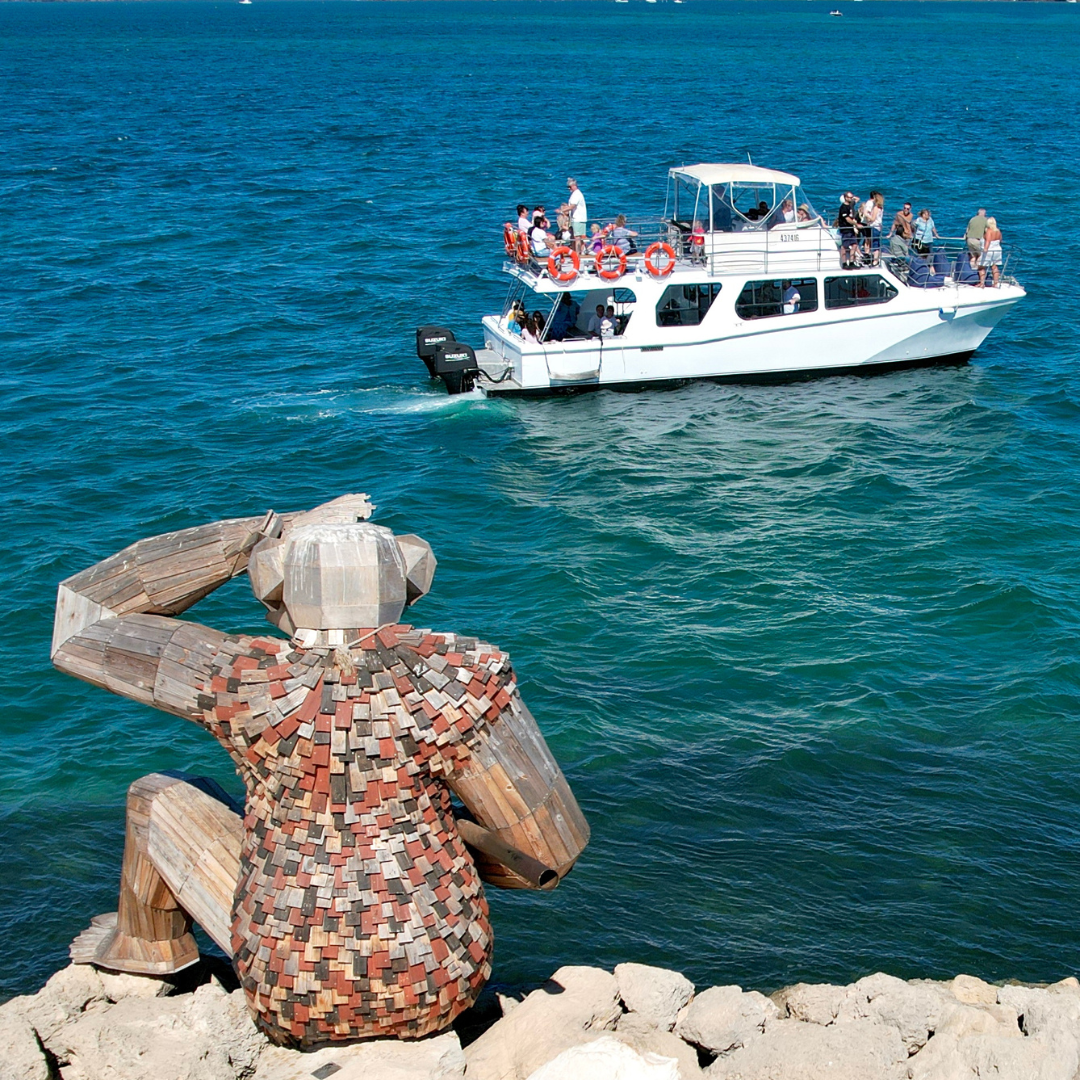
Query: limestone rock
point(118, 985)
point(437, 1057)
point(816, 1003)
point(1044, 1011)
point(656, 993)
point(965, 1021)
point(224, 1020)
point(794, 1050)
point(636, 1031)
point(70, 993)
point(561, 1014)
point(21, 1056)
point(207, 1035)
point(914, 1009)
point(607, 1059)
point(723, 1018)
point(948, 1057)
point(973, 991)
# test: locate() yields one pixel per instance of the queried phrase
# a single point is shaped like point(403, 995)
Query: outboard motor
point(428, 339)
point(455, 364)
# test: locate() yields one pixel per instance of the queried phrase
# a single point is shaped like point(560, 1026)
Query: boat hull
point(863, 343)
point(764, 378)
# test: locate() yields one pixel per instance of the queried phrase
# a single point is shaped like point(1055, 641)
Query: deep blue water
point(808, 654)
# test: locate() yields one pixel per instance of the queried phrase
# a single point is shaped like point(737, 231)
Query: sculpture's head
point(339, 575)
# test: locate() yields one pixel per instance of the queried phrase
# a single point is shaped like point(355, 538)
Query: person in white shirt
point(538, 238)
point(524, 219)
point(791, 299)
point(596, 321)
point(579, 215)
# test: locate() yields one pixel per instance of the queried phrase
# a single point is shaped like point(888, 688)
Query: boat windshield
point(739, 207)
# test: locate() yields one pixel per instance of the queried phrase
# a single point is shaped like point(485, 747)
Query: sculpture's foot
point(104, 946)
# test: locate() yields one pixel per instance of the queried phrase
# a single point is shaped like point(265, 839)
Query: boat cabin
point(735, 198)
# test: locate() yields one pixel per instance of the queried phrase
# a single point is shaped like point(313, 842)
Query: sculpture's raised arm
point(115, 622)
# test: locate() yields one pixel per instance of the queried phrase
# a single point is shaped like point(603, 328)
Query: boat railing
point(787, 249)
point(948, 261)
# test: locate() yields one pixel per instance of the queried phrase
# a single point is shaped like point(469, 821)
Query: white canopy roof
point(735, 174)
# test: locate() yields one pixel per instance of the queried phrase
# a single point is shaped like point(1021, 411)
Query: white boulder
point(636, 1031)
point(437, 1057)
point(816, 1003)
point(607, 1059)
point(723, 1018)
point(21, 1055)
point(656, 993)
point(972, 991)
point(914, 1009)
point(795, 1050)
point(950, 1057)
point(208, 1035)
point(573, 1004)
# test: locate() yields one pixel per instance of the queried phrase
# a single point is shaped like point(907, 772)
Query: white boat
point(840, 13)
point(724, 288)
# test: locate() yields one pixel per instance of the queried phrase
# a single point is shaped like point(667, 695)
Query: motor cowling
point(455, 364)
point(428, 339)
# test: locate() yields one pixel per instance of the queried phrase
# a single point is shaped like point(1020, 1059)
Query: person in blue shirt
point(925, 233)
point(566, 316)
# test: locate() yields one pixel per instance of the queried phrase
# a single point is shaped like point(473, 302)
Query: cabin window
point(856, 290)
point(685, 305)
point(777, 296)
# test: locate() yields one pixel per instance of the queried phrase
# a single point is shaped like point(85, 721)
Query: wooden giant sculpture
point(346, 895)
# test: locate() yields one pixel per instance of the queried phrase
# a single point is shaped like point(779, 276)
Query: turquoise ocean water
point(808, 654)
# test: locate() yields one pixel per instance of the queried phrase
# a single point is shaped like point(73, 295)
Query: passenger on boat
point(563, 231)
point(847, 223)
point(566, 316)
point(515, 318)
point(539, 217)
point(759, 212)
point(539, 239)
point(697, 243)
point(537, 324)
point(595, 321)
point(785, 215)
point(925, 233)
point(804, 213)
point(579, 214)
point(524, 218)
point(623, 237)
point(527, 333)
point(791, 298)
point(609, 325)
point(991, 253)
point(976, 227)
point(903, 228)
point(596, 241)
point(872, 214)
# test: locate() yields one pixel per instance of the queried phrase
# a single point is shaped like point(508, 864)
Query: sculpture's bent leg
point(181, 862)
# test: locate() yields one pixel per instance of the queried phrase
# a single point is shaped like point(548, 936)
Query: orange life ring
point(556, 262)
point(510, 239)
point(611, 251)
point(522, 246)
point(655, 249)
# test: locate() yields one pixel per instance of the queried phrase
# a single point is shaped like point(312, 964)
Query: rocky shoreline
point(637, 1023)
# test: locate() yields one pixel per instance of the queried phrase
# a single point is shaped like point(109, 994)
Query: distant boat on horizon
point(840, 13)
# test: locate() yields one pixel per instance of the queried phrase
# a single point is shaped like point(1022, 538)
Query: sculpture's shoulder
point(457, 685)
point(249, 678)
